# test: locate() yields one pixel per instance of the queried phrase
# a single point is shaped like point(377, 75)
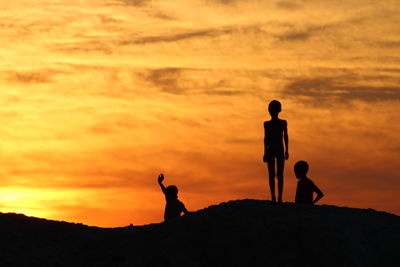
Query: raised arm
point(160, 180)
point(286, 139)
point(319, 194)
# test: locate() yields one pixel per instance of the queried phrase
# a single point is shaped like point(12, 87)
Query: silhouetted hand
point(160, 178)
point(286, 155)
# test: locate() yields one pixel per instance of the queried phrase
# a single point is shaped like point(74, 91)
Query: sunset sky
point(97, 97)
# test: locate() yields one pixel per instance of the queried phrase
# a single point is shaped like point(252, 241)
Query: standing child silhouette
point(275, 132)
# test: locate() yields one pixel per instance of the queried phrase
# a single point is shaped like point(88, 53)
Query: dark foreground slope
point(237, 233)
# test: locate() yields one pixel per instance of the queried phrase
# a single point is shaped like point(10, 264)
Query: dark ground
point(236, 233)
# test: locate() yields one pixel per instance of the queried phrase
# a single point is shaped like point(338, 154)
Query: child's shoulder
point(274, 122)
point(306, 181)
point(283, 123)
point(180, 204)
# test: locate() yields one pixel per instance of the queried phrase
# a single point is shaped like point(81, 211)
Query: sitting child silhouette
point(173, 207)
point(305, 187)
point(276, 148)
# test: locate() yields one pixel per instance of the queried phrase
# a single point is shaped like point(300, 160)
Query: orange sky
point(98, 97)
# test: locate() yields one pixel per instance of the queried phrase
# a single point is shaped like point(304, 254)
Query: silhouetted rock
point(236, 233)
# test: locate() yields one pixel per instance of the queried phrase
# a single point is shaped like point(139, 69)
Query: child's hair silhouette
point(276, 148)
point(305, 187)
point(173, 207)
point(274, 107)
point(301, 168)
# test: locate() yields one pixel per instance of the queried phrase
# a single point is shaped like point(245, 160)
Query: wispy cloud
point(224, 92)
point(314, 29)
point(167, 79)
point(110, 45)
point(388, 44)
point(183, 81)
point(288, 5)
point(339, 88)
point(85, 46)
point(174, 37)
point(223, 2)
point(242, 141)
point(137, 3)
point(28, 77)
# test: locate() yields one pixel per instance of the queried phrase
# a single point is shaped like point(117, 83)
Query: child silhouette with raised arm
point(305, 187)
point(275, 133)
point(173, 207)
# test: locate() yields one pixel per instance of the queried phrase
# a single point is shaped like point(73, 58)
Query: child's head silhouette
point(274, 108)
point(172, 191)
point(301, 169)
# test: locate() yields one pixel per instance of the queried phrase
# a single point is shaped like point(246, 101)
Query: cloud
point(109, 44)
point(184, 80)
point(149, 8)
point(288, 5)
point(178, 36)
point(224, 92)
point(108, 127)
point(44, 76)
point(339, 88)
point(387, 44)
point(394, 70)
point(162, 15)
point(296, 36)
point(167, 79)
point(136, 3)
point(309, 31)
point(244, 141)
point(90, 44)
point(224, 2)
point(189, 122)
point(303, 34)
point(87, 46)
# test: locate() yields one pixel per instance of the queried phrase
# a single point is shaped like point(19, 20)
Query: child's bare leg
point(280, 164)
point(271, 173)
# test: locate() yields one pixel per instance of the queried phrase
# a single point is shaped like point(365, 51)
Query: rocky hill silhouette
point(237, 233)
